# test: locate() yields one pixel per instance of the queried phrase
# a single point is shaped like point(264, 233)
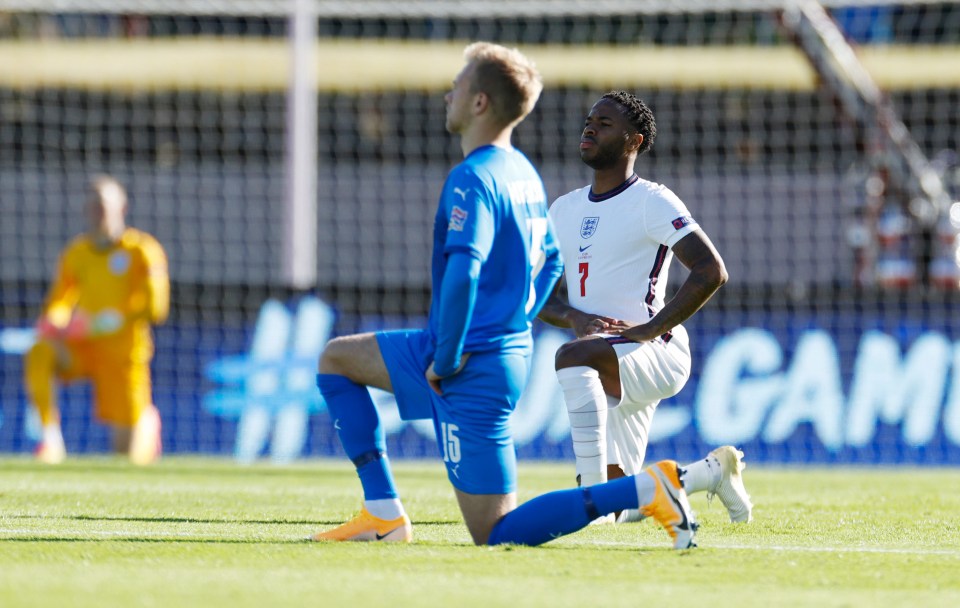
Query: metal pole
point(300, 218)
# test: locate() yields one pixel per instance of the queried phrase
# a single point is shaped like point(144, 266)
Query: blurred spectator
point(866, 24)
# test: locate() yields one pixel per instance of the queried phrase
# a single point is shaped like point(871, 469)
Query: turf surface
point(204, 532)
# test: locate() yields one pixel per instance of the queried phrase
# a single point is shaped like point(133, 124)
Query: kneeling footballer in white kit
point(618, 237)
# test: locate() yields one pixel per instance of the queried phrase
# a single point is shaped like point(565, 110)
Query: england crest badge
point(589, 226)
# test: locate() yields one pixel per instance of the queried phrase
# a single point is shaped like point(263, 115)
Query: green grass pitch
point(206, 532)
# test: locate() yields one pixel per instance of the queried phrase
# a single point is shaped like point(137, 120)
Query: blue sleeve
point(458, 294)
point(547, 271)
point(545, 283)
point(467, 203)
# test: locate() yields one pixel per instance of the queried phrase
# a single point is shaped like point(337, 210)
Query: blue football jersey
point(494, 208)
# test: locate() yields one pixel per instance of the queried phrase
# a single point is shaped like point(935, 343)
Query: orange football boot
point(366, 527)
point(670, 506)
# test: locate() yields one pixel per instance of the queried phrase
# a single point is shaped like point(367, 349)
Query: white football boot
point(730, 488)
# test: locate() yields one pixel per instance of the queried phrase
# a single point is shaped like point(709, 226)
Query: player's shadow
point(197, 520)
point(129, 539)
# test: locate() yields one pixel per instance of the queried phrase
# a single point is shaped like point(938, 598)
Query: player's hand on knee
point(587, 325)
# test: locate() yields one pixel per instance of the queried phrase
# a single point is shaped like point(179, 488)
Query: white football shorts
point(649, 372)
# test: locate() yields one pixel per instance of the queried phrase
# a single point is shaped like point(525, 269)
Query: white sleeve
point(667, 218)
point(555, 212)
point(552, 210)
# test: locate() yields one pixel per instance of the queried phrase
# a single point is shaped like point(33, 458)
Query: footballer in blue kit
point(495, 263)
point(493, 247)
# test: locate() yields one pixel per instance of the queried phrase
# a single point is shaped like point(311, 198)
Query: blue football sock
point(556, 514)
point(358, 425)
point(615, 495)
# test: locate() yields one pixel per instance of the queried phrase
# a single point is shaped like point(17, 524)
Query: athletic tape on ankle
point(588, 504)
point(367, 458)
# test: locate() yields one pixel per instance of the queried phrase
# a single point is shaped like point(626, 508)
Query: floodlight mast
point(836, 62)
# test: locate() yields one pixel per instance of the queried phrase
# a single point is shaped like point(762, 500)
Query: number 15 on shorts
point(450, 441)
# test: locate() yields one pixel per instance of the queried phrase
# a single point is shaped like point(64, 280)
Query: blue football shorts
point(472, 418)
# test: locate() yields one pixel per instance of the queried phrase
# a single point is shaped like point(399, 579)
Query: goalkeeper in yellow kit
point(111, 286)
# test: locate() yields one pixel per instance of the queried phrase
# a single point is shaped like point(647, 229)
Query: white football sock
point(629, 516)
point(587, 407)
point(385, 508)
point(646, 488)
point(701, 476)
point(52, 435)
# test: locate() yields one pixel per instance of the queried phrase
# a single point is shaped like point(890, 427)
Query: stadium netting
point(833, 341)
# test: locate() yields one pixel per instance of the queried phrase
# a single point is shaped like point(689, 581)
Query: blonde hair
point(508, 77)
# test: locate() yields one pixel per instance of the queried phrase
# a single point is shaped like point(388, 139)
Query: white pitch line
point(801, 549)
point(81, 534)
point(919, 551)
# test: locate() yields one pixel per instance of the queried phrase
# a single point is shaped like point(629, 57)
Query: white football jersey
point(616, 247)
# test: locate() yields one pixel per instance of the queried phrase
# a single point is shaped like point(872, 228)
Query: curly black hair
point(639, 115)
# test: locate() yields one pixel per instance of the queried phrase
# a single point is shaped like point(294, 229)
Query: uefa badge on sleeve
point(458, 218)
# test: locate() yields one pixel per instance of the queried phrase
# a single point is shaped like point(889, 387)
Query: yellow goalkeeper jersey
point(129, 277)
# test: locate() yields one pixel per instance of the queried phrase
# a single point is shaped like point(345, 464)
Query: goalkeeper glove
point(47, 330)
point(82, 326)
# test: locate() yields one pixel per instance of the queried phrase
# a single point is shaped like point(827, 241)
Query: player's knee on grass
point(481, 512)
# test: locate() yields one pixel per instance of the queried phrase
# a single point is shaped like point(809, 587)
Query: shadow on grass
point(172, 539)
point(195, 520)
point(204, 466)
point(638, 550)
